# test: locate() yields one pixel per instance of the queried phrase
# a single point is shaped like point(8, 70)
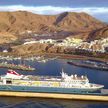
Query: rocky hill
point(76, 24)
point(20, 21)
point(77, 21)
point(6, 37)
point(96, 34)
point(36, 48)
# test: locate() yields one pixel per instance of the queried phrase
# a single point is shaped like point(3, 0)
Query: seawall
point(56, 96)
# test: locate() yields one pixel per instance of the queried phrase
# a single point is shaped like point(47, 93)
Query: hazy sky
point(97, 8)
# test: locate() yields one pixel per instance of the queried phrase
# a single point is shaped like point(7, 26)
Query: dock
point(16, 67)
point(83, 97)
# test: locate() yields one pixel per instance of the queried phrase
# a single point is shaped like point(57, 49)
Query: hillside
point(96, 34)
point(72, 24)
point(77, 21)
point(7, 37)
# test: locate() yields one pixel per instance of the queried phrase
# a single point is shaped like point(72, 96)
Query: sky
point(96, 8)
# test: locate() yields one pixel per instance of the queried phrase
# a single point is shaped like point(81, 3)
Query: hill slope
point(96, 34)
point(19, 21)
point(22, 20)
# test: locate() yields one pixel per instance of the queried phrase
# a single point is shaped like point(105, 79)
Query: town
point(100, 45)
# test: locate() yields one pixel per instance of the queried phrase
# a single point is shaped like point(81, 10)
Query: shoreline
point(60, 56)
point(69, 56)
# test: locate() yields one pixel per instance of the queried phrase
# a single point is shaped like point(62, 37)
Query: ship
point(67, 84)
point(90, 64)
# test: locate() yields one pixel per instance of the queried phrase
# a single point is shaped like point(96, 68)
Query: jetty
point(90, 65)
point(16, 67)
point(82, 97)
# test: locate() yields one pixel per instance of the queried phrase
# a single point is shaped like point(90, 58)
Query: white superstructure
point(73, 81)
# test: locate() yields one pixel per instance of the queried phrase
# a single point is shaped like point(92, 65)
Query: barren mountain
point(76, 23)
point(22, 20)
point(7, 37)
point(96, 34)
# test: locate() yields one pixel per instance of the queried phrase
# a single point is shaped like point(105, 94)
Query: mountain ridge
point(19, 21)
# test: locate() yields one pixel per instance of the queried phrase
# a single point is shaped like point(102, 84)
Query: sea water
point(54, 68)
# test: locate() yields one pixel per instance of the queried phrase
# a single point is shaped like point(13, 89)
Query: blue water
point(53, 68)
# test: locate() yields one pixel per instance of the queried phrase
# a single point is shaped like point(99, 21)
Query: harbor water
point(53, 68)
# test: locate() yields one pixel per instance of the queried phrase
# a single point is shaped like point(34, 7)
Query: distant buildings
point(70, 42)
point(30, 42)
point(47, 41)
point(94, 46)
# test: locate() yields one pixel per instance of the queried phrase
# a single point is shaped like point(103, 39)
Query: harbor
point(19, 63)
point(54, 54)
point(53, 72)
point(65, 87)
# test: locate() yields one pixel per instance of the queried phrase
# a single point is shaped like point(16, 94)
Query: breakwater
point(56, 96)
point(16, 67)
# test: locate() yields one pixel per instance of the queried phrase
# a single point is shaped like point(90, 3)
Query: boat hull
point(46, 89)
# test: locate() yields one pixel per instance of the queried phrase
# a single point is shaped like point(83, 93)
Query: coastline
point(70, 56)
point(58, 55)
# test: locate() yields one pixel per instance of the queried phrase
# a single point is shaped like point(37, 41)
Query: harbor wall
point(56, 96)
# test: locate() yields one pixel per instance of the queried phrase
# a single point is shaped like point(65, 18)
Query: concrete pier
point(56, 96)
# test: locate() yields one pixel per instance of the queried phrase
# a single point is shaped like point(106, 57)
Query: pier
point(16, 67)
point(56, 96)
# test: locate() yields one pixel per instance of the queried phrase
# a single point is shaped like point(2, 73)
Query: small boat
point(43, 61)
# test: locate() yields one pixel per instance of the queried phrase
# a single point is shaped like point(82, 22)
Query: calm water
point(54, 68)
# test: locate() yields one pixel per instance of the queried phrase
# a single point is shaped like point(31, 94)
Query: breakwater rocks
point(17, 67)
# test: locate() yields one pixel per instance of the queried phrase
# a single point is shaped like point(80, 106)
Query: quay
point(16, 67)
point(103, 98)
